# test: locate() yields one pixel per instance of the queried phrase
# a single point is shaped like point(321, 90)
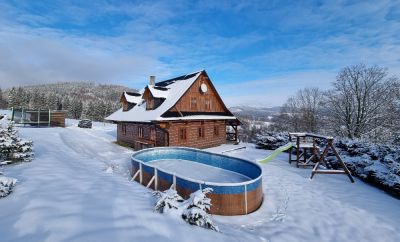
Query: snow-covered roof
point(158, 92)
point(172, 90)
point(133, 98)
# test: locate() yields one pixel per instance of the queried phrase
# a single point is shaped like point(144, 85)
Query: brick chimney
point(152, 81)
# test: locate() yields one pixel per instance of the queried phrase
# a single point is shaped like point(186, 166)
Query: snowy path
point(66, 195)
point(198, 171)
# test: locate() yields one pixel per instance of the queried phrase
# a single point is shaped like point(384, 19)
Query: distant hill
point(82, 99)
point(256, 113)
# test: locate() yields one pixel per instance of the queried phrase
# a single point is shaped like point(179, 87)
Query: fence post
point(49, 117)
point(38, 119)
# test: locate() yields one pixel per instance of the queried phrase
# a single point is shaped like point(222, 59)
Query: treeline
point(79, 99)
point(363, 103)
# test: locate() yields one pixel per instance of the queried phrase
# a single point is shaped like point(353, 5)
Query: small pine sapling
point(196, 209)
point(6, 185)
point(167, 200)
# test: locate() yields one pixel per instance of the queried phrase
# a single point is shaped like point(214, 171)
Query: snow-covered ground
point(67, 193)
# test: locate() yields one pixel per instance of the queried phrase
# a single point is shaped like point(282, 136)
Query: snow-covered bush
point(6, 185)
point(12, 147)
point(271, 140)
point(193, 210)
point(196, 209)
point(167, 200)
point(376, 164)
point(373, 163)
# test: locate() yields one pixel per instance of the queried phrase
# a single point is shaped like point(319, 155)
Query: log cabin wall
point(185, 104)
point(209, 138)
point(141, 135)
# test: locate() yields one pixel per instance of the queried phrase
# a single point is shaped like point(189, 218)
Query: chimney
point(152, 81)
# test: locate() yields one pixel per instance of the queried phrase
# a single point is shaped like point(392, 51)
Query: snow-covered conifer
point(196, 210)
point(167, 200)
point(12, 147)
point(6, 185)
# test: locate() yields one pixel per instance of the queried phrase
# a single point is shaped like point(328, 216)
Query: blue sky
point(256, 52)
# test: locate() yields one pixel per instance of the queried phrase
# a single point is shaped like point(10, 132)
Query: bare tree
point(361, 100)
point(301, 112)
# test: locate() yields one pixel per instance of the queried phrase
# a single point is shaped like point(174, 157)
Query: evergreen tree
point(66, 105)
point(3, 102)
point(12, 147)
point(12, 98)
point(51, 101)
point(76, 109)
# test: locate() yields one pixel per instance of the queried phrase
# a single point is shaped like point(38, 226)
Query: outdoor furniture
point(302, 143)
point(308, 142)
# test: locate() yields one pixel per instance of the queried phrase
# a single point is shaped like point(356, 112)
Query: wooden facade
point(196, 134)
point(205, 128)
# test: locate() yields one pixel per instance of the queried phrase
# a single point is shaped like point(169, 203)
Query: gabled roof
point(171, 90)
point(158, 92)
point(132, 97)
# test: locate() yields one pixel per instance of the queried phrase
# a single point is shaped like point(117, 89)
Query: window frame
point(140, 132)
point(182, 135)
point(216, 130)
point(193, 103)
point(207, 104)
point(201, 132)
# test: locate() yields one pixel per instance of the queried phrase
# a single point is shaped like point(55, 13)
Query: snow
point(158, 93)
point(198, 171)
point(65, 194)
point(133, 99)
point(139, 112)
point(175, 91)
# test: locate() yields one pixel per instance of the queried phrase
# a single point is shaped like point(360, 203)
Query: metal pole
point(38, 119)
point(49, 117)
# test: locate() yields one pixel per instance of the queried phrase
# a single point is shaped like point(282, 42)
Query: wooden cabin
point(182, 111)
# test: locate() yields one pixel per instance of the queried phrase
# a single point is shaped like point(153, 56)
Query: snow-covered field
point(67, 193)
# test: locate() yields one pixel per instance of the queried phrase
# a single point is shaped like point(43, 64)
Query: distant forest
point(79, 99)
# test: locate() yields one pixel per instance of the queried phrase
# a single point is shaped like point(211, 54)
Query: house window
point(201, 132)
point(207, 104)
point(182, 134)
point(123, 127)
point(140, 132)
point(216, 130)
point(193, 103)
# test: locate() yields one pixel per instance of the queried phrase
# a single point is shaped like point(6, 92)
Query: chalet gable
point(191, 96)
point(200, 98)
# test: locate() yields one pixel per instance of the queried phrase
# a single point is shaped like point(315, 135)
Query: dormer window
point(150, 104)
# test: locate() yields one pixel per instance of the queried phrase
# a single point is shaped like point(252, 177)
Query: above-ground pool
point(236, 183)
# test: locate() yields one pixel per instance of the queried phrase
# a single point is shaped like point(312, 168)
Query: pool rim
point(224, 184)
